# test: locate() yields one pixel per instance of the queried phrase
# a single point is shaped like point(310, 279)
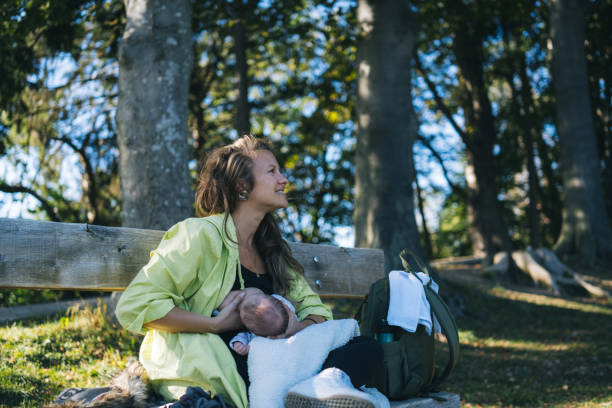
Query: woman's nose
point(283, 179)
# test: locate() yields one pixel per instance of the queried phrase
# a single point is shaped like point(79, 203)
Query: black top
point(251, 280)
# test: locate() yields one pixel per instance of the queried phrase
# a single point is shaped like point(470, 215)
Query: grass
point(40, 358)
point(533, 351)
point(519, 349)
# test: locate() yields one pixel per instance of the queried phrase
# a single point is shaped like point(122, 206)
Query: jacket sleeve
point(187, 251)
point(306, 301)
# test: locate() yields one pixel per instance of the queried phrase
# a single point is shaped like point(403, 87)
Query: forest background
point(455, 128)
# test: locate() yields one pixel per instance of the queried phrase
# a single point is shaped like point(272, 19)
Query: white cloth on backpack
point(408, 305)
point(277, 365)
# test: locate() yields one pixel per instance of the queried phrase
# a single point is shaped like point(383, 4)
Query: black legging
point(359, 358)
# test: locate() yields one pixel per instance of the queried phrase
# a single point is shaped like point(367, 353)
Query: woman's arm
point(186, 257)
point(180, 320)
point(295, 326)
point(309, 321)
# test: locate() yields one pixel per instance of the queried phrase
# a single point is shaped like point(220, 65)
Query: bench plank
point(53, 255)
point(447, 400)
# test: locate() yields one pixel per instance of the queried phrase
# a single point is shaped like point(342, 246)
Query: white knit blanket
point(277, 365)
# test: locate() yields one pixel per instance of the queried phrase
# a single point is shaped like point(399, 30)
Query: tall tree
point(480, 137)
point(384, 199)
point(599, 59)
point(521, 112)
point(586, 230)
point(155, 62)
point(243, 124)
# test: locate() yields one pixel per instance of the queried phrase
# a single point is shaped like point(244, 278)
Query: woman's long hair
point(227, 171)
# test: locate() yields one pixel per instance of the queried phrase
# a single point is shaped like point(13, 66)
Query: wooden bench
point(52, 255)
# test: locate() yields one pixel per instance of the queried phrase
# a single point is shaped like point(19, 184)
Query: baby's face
point(260, 314)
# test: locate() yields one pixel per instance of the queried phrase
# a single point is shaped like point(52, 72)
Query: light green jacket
point(194, 268)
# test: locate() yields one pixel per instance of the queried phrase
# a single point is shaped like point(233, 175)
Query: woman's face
point(268, 191)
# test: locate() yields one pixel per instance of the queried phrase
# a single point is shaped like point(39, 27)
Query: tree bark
point(155, 62)
point(479, 139)
point(243, 124)
point(384, 200)
point(586, 230)
point(529, 130)
point(551, 196)
point(421, 206)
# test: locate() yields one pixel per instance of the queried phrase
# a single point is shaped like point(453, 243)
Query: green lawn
point(518, 350)
point(526, 350)
point(39, 359)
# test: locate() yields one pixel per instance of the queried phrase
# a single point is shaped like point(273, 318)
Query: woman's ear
point(242, 186)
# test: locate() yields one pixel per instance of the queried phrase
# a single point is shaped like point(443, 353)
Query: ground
point(520, 347)
point(524, 347)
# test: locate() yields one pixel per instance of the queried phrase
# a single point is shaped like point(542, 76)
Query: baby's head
point(262, 314)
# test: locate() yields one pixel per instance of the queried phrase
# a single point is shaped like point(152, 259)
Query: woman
point(200, 260)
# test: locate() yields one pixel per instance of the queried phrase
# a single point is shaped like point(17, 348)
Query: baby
point(262, 315)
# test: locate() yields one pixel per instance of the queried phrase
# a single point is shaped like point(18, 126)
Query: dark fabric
point(81, 395)
point(251, 280)
point(196, 397)
point(359, 358)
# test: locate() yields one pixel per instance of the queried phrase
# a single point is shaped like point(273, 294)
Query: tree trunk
point(550, 194)
point(528, 128)
point(155, 62)
point(243, 124)
point(486, 210)
point(586, 230)
point(421, 205)
point(475, 230)
point(384, 199)
point(479, 139)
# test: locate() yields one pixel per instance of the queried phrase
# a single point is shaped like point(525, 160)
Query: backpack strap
point(442, 312)
point(449, 329)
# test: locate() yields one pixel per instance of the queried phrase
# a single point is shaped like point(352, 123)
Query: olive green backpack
point(409, 368)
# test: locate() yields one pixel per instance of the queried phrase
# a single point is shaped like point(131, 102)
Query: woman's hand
point(229, 314)
point(181, 321)
point(229, 298)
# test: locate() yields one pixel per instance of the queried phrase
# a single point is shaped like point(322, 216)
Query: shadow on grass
point(18, 390)
point(517, 353)
point(505, 377)
point(522, 354)
point(521, 320)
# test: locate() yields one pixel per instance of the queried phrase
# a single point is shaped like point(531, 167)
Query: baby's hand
point(240, 348)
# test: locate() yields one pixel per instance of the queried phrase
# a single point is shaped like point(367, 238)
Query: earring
point(243, 195)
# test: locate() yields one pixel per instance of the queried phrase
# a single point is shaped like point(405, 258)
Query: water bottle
point(384, 332)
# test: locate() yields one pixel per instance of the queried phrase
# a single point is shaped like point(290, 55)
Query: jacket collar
point(230, 240)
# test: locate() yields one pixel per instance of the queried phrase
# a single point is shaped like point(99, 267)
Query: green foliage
point(452, 237)
point(302, 81)
point(16, 297)
point(508, 52)
point(28, 30)
point(59, 90)
point(58, 127)
point(20, 297)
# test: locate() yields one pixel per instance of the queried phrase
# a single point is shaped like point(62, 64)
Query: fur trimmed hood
point(131, 388)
